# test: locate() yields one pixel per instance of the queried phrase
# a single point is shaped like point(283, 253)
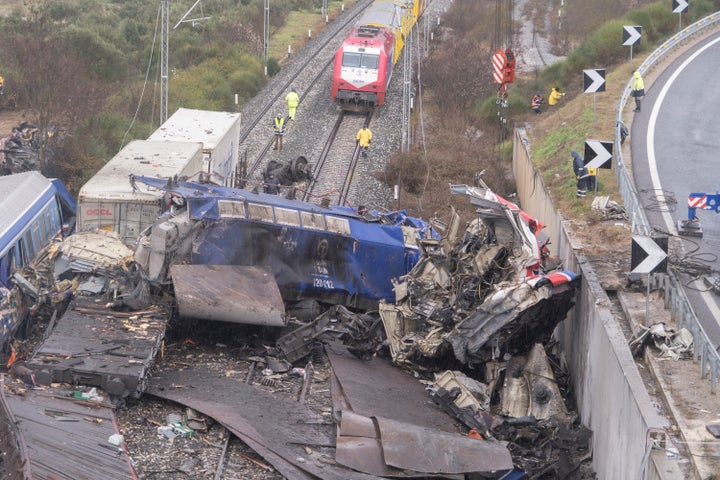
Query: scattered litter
point(115, 439)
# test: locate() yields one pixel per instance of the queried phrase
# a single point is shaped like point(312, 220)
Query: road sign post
point(598, 154)
point(631, 36)
point(648, 256)
point(679, 7)
point(593, 82)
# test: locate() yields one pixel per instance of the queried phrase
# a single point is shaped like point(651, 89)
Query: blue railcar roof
point(22, 195)
point(203, 200)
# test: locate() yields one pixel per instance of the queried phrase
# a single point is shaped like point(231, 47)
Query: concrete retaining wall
point(611, 397)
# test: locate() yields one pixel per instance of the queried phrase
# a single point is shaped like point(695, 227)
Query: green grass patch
point(295, 30)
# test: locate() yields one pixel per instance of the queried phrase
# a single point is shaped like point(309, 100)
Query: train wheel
point(299, 169)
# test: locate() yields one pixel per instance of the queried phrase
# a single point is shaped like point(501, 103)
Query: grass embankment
point(297, 25)
point(564, 129)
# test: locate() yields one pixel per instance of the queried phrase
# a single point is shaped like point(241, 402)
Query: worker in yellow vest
point(364, 137)
point(293, 100)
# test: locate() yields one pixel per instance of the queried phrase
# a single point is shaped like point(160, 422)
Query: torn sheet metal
point(530, 388)
point(672, 344)
point(93, 250)
point(276, 428)
point(509, 225)
point(480, 297)
point(390, 448)
point(426, 450)
point(508, 320)
point(49, 435)
point(377, 388)
point(228, 293)
point(511, 319)
point(464, 398)
point(360, 447)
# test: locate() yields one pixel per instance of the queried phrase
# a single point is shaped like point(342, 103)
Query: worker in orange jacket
point(536, 101)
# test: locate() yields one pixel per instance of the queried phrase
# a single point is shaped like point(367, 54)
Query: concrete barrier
point(611, 397)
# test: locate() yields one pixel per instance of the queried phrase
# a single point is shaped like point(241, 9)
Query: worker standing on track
point(2, 85)
point(279, 130)
point(364, 137)
point(293, 100)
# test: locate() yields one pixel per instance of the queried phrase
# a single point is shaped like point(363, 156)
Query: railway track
point(310, 77)
point(337, 163)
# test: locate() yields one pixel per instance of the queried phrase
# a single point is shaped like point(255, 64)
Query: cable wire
point(147, 76)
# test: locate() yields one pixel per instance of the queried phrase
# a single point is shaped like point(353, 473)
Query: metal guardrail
point(675, 298)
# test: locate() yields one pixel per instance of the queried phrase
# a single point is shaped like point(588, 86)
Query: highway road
point(675, 142)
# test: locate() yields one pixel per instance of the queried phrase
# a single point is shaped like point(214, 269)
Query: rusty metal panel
point(228, 293)
point(364, 455)
point(59, 438)
point(377, 388)
point(354, 425)
point(94, 345)
point(427, 450)
point(360, 447)
point(276, 428)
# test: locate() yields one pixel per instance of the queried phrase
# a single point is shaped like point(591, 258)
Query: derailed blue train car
point(33, 211)
point(331, 254)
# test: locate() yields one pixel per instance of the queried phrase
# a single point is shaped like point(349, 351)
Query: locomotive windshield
point(370, 61)
point(362, 60)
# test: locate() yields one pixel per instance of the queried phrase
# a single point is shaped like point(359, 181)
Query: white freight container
point(108, 201)
point(219, 132)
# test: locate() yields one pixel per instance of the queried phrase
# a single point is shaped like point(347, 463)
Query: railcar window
point(312, 220)
point(19, 253)
point(338, 225)
point(286, 216)
point(53, 217)
point(351, 59)
point(264, 213)
point(38, 240)
point(7, 266)
point(370, 61)
point(228, 208)
point(30, 250)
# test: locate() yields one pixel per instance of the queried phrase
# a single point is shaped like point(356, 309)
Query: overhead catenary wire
point(145, 83)
point(421, 118)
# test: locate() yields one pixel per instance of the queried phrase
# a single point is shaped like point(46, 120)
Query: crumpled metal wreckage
point(670, 343)
point(477, 298)
point(484, 302)
point(482, 296)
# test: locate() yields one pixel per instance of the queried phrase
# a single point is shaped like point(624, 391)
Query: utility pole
point(407, 92)
point(164, 40)
point(266, 33)
point(164, 32)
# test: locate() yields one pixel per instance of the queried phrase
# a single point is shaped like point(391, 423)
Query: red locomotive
point(364, 62)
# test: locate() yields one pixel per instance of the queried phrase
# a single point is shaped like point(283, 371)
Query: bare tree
point(48, 77)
